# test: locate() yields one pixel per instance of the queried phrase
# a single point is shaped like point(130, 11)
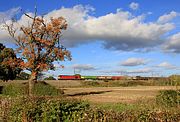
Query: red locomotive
point(69, 77)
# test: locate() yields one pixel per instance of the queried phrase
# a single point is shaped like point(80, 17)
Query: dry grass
point(64, 83)
point(116, 94)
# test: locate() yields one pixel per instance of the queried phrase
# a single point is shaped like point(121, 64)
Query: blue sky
point(117, 37)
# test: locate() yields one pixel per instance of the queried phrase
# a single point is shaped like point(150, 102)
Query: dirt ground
point(116, 94)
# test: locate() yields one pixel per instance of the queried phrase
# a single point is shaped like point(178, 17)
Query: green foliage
point(6, 71)
point(43, 109)
point(23, 76)
point(42, 89)
point(119, 107)
point(91, 83)
point(175, 79)
point(50, 78)
point(168, 98)
point(46, 110)
point(14, 89)
point(117, 83)
point(135, 83)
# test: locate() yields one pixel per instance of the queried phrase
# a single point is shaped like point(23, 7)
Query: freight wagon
point(89, 77)
point(79, 77)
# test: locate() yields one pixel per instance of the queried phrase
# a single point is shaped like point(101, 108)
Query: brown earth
point(116, 94)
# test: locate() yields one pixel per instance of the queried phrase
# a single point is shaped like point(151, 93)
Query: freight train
point(79, 77)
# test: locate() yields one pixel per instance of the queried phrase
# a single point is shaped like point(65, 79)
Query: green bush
point(46, 110)
point(50, 78)
point(91, 83)
point(14, 89)
point(168, 98)
point(42, 89)
point(134, 83)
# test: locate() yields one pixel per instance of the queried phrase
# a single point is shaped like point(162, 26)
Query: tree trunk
point(31, 82)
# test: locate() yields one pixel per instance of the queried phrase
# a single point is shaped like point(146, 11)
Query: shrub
point(50, 78)
point(42, 89)
point(14, 89)
point(47, 110)
point(134, 83)
point(91, 83)
point(168, 98)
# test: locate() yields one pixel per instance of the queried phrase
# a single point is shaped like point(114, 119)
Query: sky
point(109, 37)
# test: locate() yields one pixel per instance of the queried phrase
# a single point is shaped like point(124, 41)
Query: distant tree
point(23, 76)
point(50, 78)
point(8, 68)
point(39, 44)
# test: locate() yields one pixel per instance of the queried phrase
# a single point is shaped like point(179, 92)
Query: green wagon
point(89, 77)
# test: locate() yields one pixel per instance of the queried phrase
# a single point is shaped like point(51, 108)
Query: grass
point(135, 103)
point(118, 107)
point(21, 89)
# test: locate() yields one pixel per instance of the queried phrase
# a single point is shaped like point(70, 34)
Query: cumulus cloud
point(118, 31)
point(134, 6)
point(134, 62)
point(167, 17)
point(172, 44)
point(83, 67)
point(167, 65)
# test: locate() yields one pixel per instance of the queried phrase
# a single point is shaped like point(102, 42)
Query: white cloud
point(167, 65)
point(134, 6)
point(167, 17)
point(117, 31)
point(134, 62)
point(83, 67)
point(172, 44)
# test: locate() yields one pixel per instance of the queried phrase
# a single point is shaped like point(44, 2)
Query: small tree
point(39, 44)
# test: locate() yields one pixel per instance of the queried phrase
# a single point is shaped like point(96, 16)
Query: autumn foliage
point(9, 63)
point(39, 43)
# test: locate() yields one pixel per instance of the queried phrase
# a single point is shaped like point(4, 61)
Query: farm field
point(108, 94)
point(116, 94)
point(130, 94)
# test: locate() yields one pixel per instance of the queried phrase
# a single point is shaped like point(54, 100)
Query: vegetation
point(44, 89)
point(169, 98)
point(39, 44)
point(50, 78)
point(8, 69)
point(71, 110)
point(40, 89)
point(45, 109)
point(23, 76)
point(14, 90)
